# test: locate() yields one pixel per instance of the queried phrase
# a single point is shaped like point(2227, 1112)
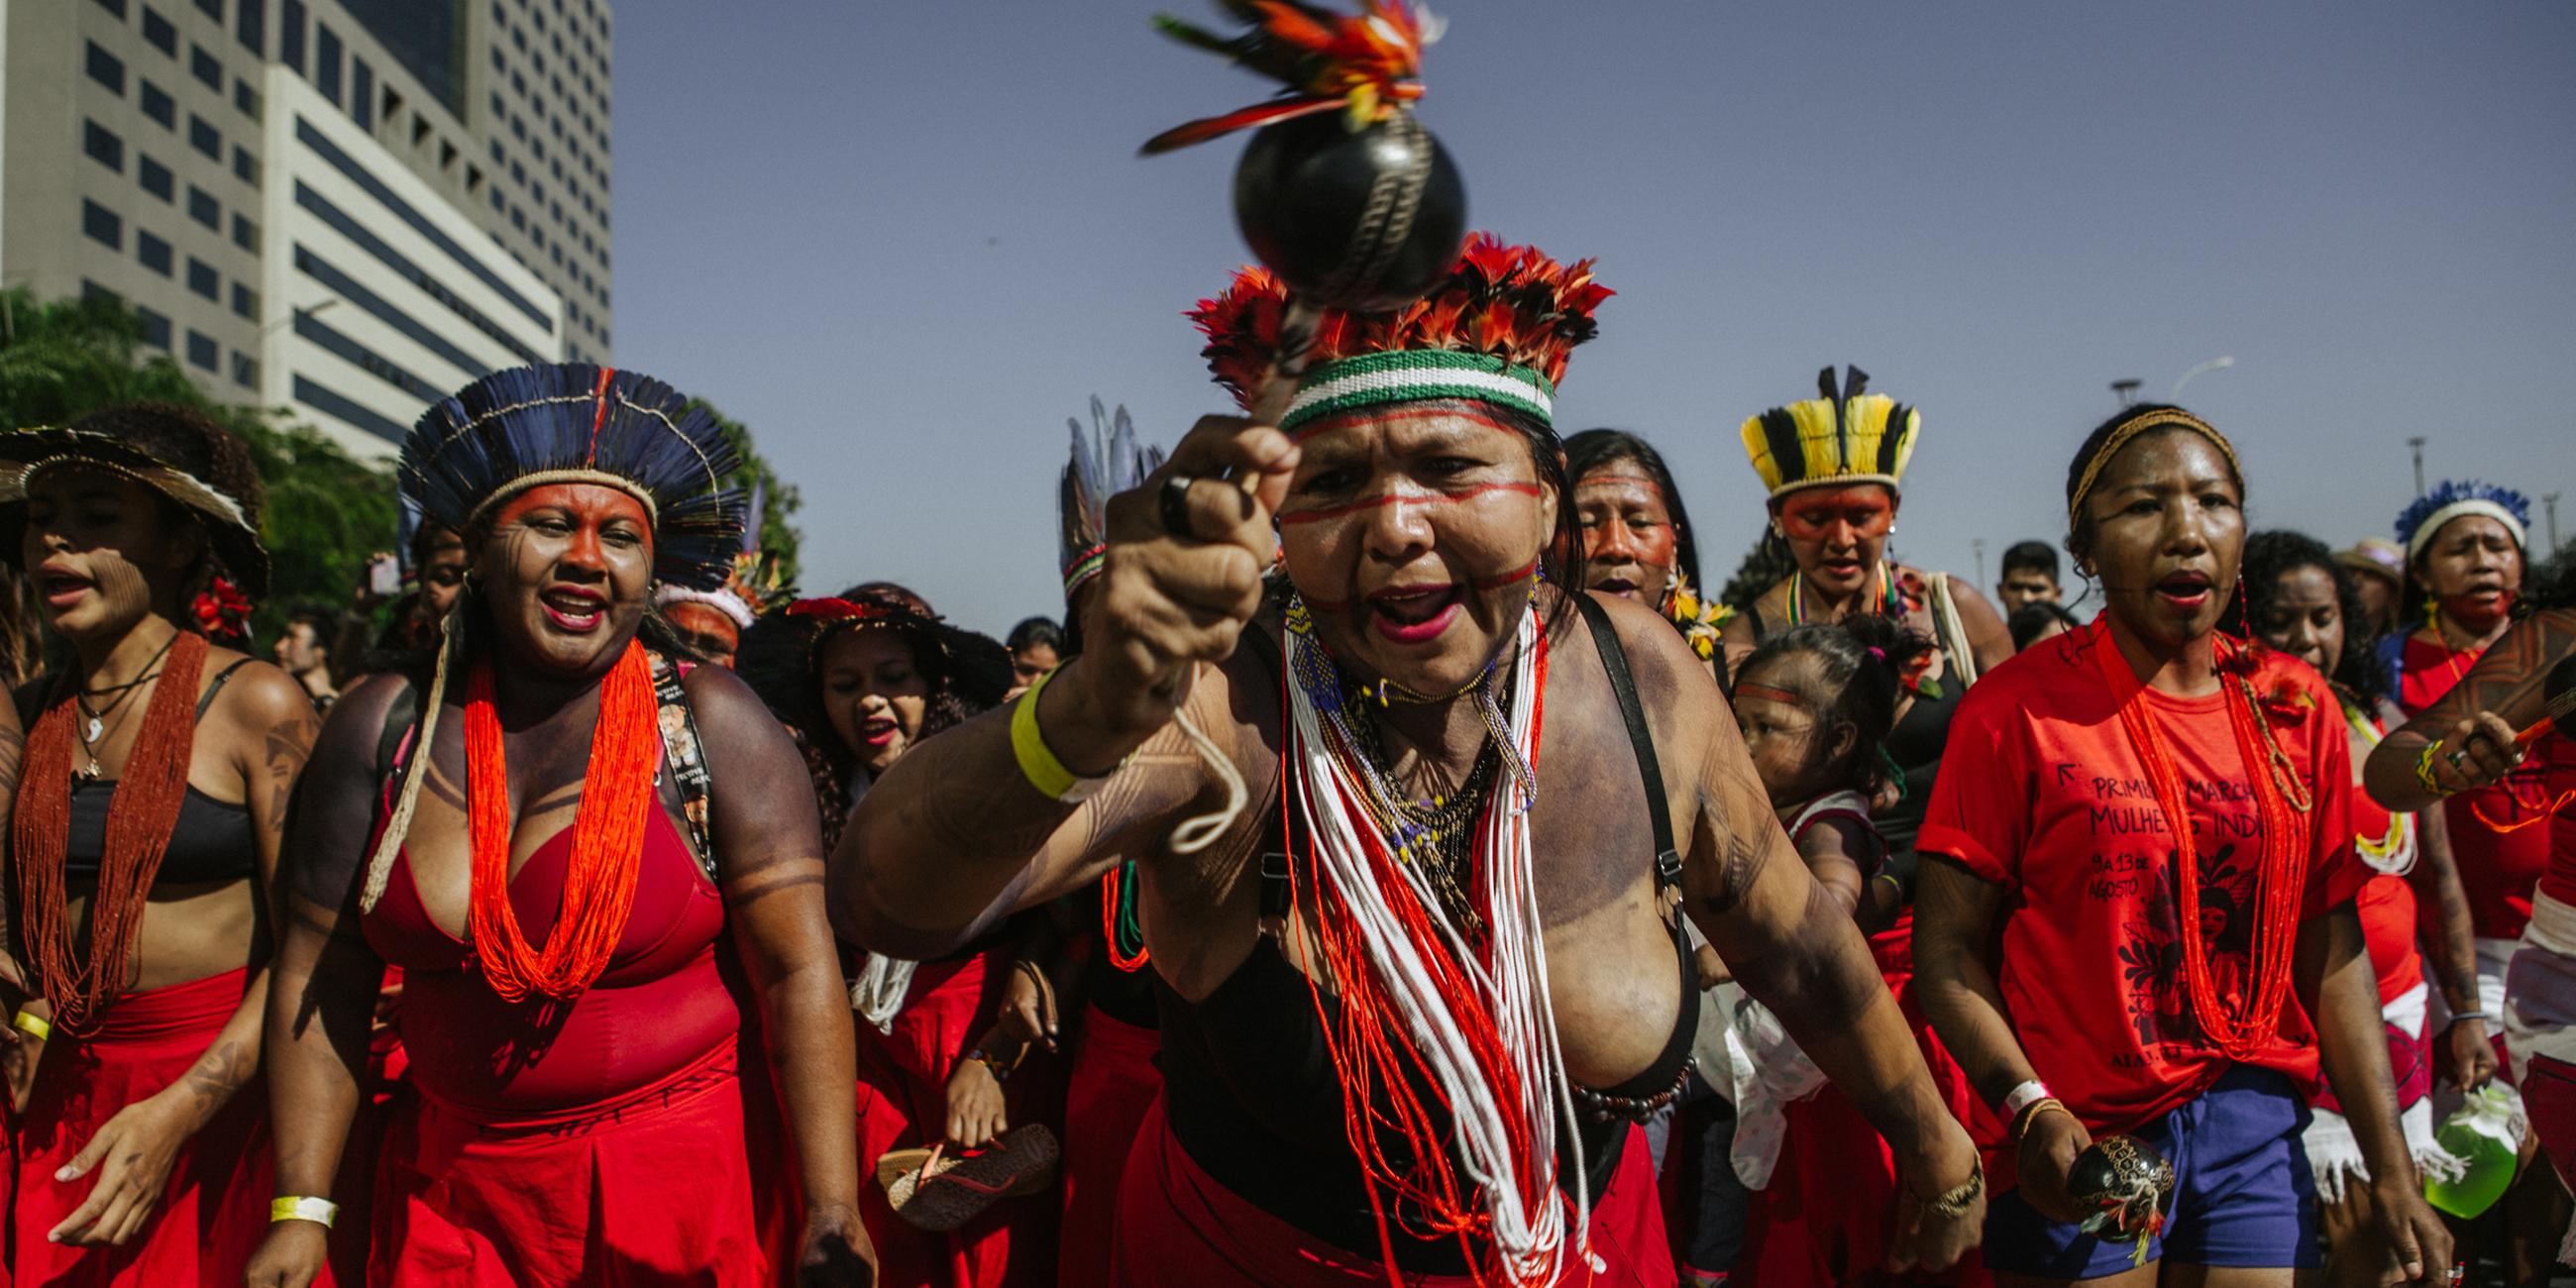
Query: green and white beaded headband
point(1417, 375)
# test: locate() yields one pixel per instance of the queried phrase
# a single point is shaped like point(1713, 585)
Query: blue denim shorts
point(2243, 1194)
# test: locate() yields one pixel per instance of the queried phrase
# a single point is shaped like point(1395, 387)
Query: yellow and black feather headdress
point(1843, 437)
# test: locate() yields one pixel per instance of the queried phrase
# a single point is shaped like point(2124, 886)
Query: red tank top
point(2386, 902)
point(661, 1004)
point(2497, 868)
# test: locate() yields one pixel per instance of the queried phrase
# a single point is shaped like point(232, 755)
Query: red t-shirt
point(2059, 811)
point(2497, 868)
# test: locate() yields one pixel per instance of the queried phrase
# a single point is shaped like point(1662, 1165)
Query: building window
point(203, 280)
point(245, 166)
point(107, 69)
point(362, 93)
point(102, 146)
point(152, 251)
point(158, 105)
point(116, 7)
point(326, 62)
point(245, 99)
point(156, 328)
point(290, 34)
point(245, 370)
point(204, 137)
point(102, 225)
point(154, 176)
point(245, 303)
point(213, 9)
point(158, 30)
point(245, 234)
point(208, 69)
point(202, 351)
point(203, 208)
point(497, 203)
point(252, 26)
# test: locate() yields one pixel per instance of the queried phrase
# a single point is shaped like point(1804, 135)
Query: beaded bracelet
point(992, 1063)
point(2424, 769)
point(1954, 1204)
point(2030, 1113)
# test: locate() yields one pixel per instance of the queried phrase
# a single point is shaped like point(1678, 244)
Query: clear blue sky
point(905, 241)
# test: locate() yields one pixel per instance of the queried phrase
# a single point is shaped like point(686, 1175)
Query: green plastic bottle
point(2485, 1134)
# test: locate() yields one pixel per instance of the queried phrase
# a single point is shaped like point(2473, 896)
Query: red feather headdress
point(1508, 303)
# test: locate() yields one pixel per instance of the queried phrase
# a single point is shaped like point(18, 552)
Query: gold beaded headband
point(2166, 418)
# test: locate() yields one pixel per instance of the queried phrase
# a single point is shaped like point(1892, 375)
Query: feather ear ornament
point(1105, 462)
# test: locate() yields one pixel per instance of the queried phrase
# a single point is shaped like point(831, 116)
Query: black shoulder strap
point(207, 703)
point(1614, 660)
point(688, 763)
point(401, 715)
point(1278, 891)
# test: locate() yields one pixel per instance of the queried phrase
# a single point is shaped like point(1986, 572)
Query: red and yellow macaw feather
point(1368, 64)
point(1259, 114)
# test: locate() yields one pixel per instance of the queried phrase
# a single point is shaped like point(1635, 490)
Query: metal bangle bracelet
point(1174, 500)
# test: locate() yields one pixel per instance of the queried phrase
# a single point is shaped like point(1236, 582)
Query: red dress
point(2497, 868)
point(214, 1211)
point(613, 1140)
point(903, 1102)
point(1826, 1216)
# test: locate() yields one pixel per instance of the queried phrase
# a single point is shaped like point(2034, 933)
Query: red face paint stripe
point(1781, 696)
point(1506, 579)
point(1639, 479)
point(1425, 498)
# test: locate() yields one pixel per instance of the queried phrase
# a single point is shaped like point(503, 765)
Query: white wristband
point(295, 1207)
point(2023, 1097)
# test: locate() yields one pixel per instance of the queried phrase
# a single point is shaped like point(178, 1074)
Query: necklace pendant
point(95, 727)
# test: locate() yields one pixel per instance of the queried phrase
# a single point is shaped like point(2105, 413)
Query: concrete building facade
point(342, 207)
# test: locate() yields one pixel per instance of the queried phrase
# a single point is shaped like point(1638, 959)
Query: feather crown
point(1507, 316)
point(1106, 461)
point(2454, 498)
point(1368, 65)
point(577, 423)
point(1842, 436)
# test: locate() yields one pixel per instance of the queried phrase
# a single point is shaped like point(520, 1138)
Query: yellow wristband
point(1037, 762)
point(33, 1025)
point(296, 1207)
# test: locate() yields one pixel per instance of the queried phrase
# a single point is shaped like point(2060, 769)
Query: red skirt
point(214, 1211)
point(1178, 1228)
point(1114, 1083)
point(903, 1102)
point(1829, 1212)
point(652, 1190)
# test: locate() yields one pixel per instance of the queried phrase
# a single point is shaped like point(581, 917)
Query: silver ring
point(1174, 501)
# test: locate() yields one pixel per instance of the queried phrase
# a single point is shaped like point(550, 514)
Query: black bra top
point(1251, 1094)
point(210, 843)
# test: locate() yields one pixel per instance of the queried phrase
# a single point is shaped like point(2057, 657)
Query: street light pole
point(2126, 390)
point(2416, 444)
point(1978, 544)
point(2214, 364)
point(2549, 506)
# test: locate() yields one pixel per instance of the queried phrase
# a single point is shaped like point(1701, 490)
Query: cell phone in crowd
point(384, 576)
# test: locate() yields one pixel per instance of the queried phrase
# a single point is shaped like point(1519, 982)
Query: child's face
point(1792, 748)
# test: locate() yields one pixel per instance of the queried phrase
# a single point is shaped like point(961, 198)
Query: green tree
point(327, 511)
point(779, 500)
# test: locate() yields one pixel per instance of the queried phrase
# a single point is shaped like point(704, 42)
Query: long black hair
point(1861, 662)
point(1595, 448)
point(2359, 670)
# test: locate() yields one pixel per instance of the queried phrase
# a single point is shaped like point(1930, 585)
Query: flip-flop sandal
point(945, 1193)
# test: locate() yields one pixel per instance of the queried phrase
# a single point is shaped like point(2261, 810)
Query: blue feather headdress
point(2454, 498)
point(577, 423)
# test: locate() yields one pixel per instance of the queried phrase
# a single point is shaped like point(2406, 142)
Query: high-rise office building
point(342, 207)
